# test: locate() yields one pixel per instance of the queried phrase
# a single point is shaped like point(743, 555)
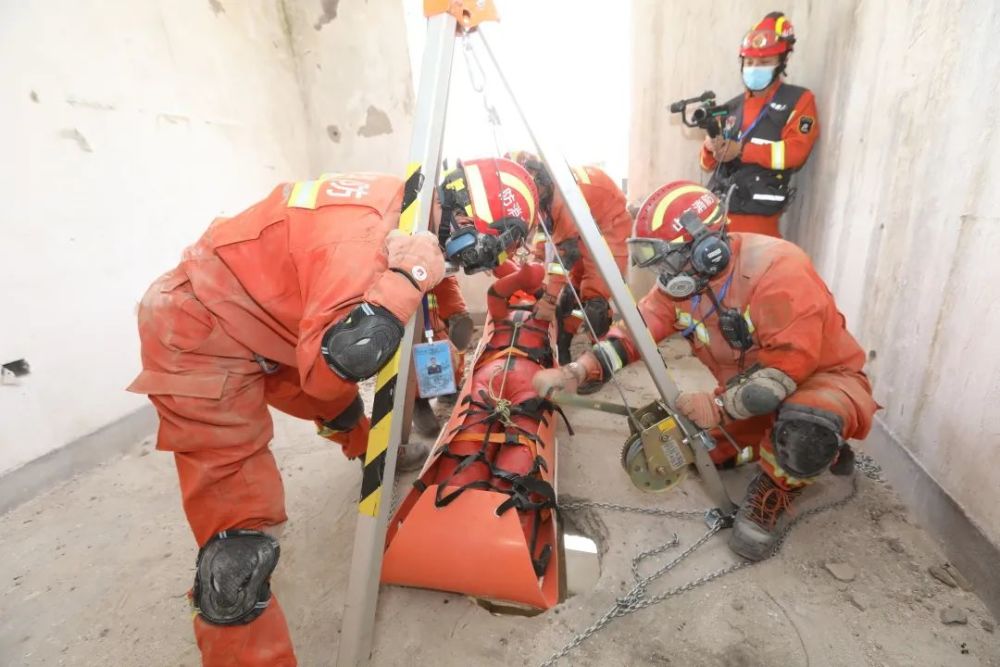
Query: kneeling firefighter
point(608, 206)
point(768, 134)
point(791, 386)
point(288, 304)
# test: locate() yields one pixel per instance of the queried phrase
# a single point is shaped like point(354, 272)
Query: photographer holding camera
point(767, 132)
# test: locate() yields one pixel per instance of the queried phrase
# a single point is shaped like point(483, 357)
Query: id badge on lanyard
point(432, 363)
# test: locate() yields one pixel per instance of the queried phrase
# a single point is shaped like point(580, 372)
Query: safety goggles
point(667, 257)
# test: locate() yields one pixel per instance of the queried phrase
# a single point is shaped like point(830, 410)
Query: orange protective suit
point(796, 329)
point(608, 206)
point(259, 290)
point(797, 140)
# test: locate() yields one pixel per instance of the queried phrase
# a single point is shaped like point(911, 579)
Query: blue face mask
point(758, 78)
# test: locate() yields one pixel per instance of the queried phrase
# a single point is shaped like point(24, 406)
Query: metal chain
point(869, 467)
point(614, 507)
point(637, 598)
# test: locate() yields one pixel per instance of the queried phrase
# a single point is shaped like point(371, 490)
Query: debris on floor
point(97, 569)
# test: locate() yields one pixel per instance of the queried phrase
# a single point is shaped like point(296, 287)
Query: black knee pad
point(806, 440)
point(460, 329)
point(358, 346)
point(598, 312)
point(232, 583)
point(349, 417)
point(565, 304)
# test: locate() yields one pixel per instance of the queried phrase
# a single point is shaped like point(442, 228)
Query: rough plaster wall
point(898, 203)
point(128, 126)
point(354, 70)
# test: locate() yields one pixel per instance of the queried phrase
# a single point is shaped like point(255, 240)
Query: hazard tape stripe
point(385, 381)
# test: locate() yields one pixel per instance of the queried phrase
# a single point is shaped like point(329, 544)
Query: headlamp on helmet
point(488, 208)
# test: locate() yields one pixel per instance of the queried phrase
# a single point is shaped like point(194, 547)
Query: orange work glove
point(701, 408)
point(545, 308)
point(353, 442)
point(726, 150)
point(568, 378)
point(415, 266)
point(418, 256)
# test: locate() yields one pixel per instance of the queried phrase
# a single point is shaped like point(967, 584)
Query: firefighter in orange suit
point(791, 387)
point(767, 135)
point(609, 208)
point(288, 304)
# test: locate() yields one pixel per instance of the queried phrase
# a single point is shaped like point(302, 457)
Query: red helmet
point(490, 189)
point(539, 172)
point(488, 207)
point(772, 36)
point(665, 238)
point(659, 217)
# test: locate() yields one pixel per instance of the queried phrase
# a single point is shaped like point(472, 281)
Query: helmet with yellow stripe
point(538, 171)
point(680, 232)
point(488, 207)
point(773, 35)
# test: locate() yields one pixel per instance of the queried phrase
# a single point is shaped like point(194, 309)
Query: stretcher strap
point(540, 355)
point(530, 494)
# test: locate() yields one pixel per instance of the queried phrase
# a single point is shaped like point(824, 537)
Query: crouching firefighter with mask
point(575, 265)
point(791, 387)
point(767, 135)
point(289, 305)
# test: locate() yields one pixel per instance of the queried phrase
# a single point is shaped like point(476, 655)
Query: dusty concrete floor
point(95, 571)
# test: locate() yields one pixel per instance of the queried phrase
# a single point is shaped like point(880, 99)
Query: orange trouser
point(449, 298)
point(212, 399)
point(755, 224)
point(846, 394)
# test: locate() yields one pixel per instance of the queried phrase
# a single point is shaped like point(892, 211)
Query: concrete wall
point(898, 205)
point(127, 126)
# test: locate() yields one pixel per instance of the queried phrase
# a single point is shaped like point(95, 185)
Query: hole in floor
point(582, 563)
point(581, 550)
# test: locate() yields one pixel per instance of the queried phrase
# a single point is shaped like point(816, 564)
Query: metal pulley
point(657, 457)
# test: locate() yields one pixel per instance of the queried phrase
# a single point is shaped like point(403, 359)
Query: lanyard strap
point(756, 120)
point(697, 300)
point(428, 328)
point(760, 115)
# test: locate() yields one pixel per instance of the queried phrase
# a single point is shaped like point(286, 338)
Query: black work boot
point(448, 400)
point(564, 340)
point(411, 456)
point(844, 465)
point(460, 330)
point(424, 419)
point(761, 518)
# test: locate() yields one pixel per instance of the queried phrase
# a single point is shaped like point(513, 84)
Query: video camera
point(708, 115)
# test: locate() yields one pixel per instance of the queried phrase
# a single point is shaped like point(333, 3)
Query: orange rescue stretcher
point(480, 519)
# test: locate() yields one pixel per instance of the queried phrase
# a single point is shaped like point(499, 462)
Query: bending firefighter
point(791, 387)
point(768, 133)
point(609, 208)
point(288, 304)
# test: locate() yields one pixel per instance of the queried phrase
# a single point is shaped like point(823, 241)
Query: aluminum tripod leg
point(591, 235)
point(357, 629)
